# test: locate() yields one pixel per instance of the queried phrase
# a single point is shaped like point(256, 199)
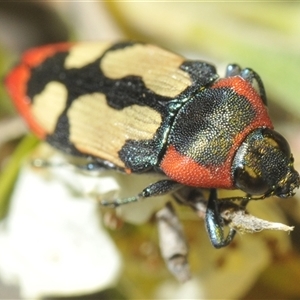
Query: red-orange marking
point(36, 56)
point(186, 171)
point(16, 83)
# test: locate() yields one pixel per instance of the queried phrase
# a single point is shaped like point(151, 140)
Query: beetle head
point(263, 165)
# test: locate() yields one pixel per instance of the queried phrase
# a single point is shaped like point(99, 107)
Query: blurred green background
point(263, 36)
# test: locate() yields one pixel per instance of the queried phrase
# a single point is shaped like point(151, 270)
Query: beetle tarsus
point(118, 202)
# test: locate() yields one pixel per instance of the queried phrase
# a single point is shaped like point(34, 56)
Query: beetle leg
point(158, 188)
point(214, 223)
point(232, 70)
point(255, 80)
point(251, 76)
point(93, 165)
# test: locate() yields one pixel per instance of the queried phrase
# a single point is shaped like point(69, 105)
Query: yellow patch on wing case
point(84, 53)
point(101, 131)
point(158, 68)
point(49, 104)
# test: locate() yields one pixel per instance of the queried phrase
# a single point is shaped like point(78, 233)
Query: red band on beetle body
point(36, 56)
point(16, 84)
point(241, 87)
point(186, 171)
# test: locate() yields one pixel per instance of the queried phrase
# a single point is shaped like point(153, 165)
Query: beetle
point(138, 108)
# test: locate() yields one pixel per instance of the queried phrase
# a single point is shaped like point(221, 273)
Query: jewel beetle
point(138, 108)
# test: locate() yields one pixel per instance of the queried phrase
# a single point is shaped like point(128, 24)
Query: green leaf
point(9, 175)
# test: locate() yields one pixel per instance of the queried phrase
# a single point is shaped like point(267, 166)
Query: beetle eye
point(278, 141)
point(249, 181)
